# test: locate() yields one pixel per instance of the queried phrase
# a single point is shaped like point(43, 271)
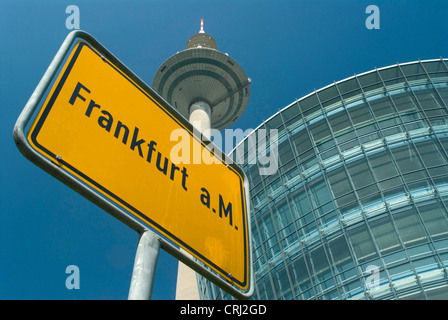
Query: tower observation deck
point(201, 77)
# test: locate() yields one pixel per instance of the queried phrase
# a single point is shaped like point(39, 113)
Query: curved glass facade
point(358, 206)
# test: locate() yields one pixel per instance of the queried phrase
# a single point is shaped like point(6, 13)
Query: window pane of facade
point(435, 218)
point(406, 159)
point(339, 182)
point(360, 173)
point(302, 204)
point(319, 263)
point(385, 235)
point(381, 107)
point(300, 276)
point(362, 243)
point(360, 114)
point(340, 253)
point(320, 130)
point(409, 226)
point(339, 121)
point(430, 153)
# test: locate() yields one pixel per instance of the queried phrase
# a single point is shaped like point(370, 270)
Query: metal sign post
point(145, 266)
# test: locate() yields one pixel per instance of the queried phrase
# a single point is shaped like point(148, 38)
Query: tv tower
point(206, 86)
point(211, 90)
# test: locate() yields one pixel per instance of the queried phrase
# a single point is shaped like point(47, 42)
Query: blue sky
point(287, 47)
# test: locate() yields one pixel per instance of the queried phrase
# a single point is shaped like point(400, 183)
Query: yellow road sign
point(106, 130)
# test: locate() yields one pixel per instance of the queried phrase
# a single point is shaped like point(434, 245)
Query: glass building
point(358, 206)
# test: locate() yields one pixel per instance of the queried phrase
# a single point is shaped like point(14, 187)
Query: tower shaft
point(200, 117)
